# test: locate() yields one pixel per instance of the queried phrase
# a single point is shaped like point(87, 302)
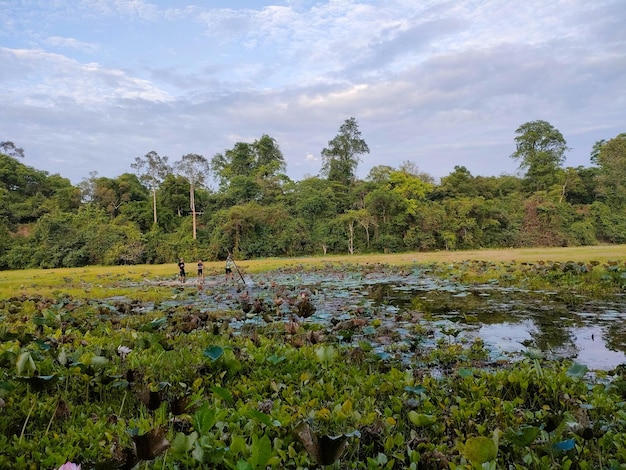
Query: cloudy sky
point(88, 85)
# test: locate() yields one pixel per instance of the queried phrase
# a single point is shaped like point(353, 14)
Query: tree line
point(165, 210)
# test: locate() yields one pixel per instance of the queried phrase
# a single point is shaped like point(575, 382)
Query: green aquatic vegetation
point(117, 382)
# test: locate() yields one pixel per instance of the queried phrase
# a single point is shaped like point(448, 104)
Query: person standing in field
point(182, 277)
point(201, 270)
point(229, 268)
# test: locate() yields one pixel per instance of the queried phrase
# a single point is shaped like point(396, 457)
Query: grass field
point(90, 279)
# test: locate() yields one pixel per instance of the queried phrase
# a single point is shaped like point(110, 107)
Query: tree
point(26, 193)
point(610, 156)
point(459, 183)
point(380, 173)
point(269, 159)
point(111, 193)
point(195, 168)
point(250, 172)
point(10, 149)
point(173, 198)
point(154, 169)
point(540, 150)
point(348, 220)
point(238, 161)
point(342, 156)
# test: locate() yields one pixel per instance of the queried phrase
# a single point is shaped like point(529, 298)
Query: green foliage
point(342, 156)
point(163, 212)
point(610, 156)
point(252, 399)
point(541, 150)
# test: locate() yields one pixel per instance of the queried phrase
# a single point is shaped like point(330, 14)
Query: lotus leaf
point(577, 370)
point(480, 450)
point(213, 352)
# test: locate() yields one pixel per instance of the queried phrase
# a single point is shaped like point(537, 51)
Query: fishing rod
point(236, 267)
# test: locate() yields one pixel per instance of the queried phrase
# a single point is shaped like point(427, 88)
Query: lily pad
point(213, 352)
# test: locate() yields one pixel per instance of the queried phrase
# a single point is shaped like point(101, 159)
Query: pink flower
point(69, 466)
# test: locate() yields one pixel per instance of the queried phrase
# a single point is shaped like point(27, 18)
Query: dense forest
point(163, 211)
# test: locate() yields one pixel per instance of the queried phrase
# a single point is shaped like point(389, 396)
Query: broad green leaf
point(213, 352)
point(243, 465)
point(223, 393)
point(204, 419)
point(62, 357)
point(325, 353)
point(524, 436)
point(260, 416)
point(261, 451)
point(154, 324)
point(99, 361)
point(421, 420)
point(182, 443)
point(274, 359)
point(480, 449)
point(6, 386)
point(25, 364)
point(577, 370)
point(198, 452)
point(238, 445)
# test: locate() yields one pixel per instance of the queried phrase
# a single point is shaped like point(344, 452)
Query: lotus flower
point(69, 466)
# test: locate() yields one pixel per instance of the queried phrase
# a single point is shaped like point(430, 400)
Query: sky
point(89, 85)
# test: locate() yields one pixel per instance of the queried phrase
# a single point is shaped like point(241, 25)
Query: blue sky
point(88, 85)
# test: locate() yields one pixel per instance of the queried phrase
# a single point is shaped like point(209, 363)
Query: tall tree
point(342, 156)
point(250, 171)
point(610, 156)
point(269, 159)
point(9, 148)
point(153, 169)
point(541, 151)
point(195, 168)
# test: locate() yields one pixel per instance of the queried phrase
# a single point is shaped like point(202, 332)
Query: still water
point(416, 309)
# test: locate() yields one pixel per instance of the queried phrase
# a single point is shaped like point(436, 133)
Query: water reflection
point(593, 350)
point(510, 321)
point(505, 339)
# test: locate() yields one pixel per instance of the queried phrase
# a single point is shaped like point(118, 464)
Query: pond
point(397, 311)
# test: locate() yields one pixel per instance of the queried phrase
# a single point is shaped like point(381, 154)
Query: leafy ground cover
point(300, 367)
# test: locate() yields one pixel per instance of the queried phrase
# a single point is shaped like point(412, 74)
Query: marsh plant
point(124, 384)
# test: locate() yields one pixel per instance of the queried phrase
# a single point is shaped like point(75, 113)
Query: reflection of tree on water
point(550, 320)
point(554, 334)
point(381, 292)
point(615, 337)
point(553, 321)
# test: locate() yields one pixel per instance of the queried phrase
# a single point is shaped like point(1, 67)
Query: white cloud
point(437, 82)
point(70, 43)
